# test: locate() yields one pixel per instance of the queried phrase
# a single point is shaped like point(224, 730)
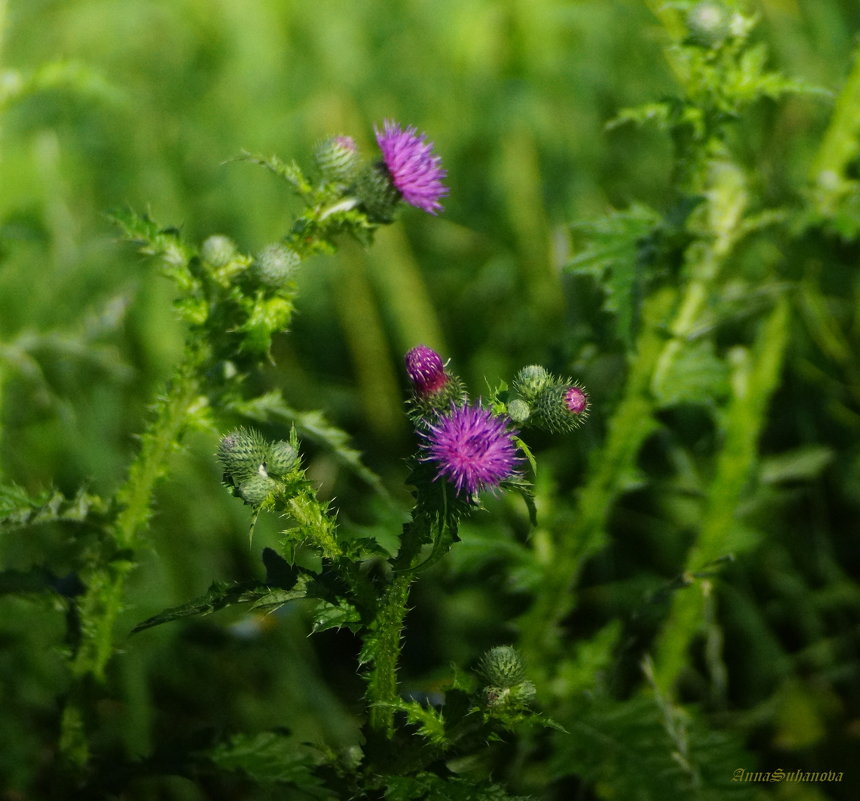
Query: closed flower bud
point(560, 409)
point(218, 250)
point(426, 370)
point(518, 410)
point(242, 454)
point(257, 489)
point(502, 667)
point(377, 194)
point(281, 459)
point(337, 159)
point(709, 23)
point(275, 265)
point(530, 381)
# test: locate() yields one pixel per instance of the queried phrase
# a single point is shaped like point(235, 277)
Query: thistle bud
point(560, 408)
point(242, 454)
point(530, 381)
point(377, 193)
point(218, 250)
point(502, 667)
point(337, 159)
point(709, 23)
point(257, 489)
point(433, 388)
point(426, 370)
point(276, 264)
point(281, 459)
point(518, 410)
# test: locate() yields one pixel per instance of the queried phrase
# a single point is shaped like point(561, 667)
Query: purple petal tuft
point(415, 169)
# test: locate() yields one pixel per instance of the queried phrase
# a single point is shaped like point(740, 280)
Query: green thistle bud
point(502, 667)
point(530, 381)
point(257, 489)
point(218, 250)
point(523, 694)
point(560, 408)
point(242, 454)
point(377, 193)
point(337, 159)
point(709, 23)
point(518, 410)
point(282, 458)
point(276, 264)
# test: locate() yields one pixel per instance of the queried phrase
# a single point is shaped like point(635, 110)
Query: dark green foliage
point(646, 750)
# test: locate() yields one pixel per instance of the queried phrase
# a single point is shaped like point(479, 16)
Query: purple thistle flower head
point(415, 170)
point(425, 370)
point(575, 399)
point(472, 448)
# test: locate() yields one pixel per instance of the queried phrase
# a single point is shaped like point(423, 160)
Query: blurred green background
point(145, 102)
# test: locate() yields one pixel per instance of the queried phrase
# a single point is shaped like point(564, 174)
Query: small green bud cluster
point(275, 265)
point(254, 467)
point(507, 687)
point(338, 159)
point(218, 250)
point(544, 401)
point(709, 24)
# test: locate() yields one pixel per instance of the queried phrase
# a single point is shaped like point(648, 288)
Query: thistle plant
point(552, 587)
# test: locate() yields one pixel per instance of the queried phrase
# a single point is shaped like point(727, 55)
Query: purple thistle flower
point(575, 400)
point(472, 448)
point(425, 370)
point(415, 170)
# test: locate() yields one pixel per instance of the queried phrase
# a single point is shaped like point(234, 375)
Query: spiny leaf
point(313, 426)
point(615, 256)
point(18, 509)
point(696, 375)
point(640, 749)
point(272, 757)
point(288, 171)
point(429, 720)
point(163, 243)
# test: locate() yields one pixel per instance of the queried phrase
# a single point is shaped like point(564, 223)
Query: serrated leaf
point(695, 375)
point(272, 757)
point(288, 171)
point(429, 720)
point(20, 509)
point(220, 595)
point(641, 748)
point(614, 257)
point(313, 426)
point(336, 616)
point(526, 491)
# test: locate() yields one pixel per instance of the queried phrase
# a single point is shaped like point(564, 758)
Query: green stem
point(382, 683)
point(630, 425)
point(839, 147)
point(754, 381)
point(105, 582)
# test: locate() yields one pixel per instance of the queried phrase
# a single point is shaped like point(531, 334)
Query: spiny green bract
point(275, 265)
point(242, 454)
point(531, 380)
point(502, 666)
point(252, 465)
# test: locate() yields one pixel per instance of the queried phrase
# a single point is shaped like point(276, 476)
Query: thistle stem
point(105, 582)
point(382, 684)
